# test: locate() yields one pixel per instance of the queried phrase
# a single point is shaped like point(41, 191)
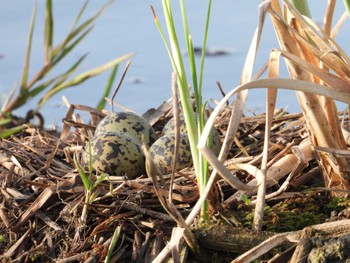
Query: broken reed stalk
point(322, 121)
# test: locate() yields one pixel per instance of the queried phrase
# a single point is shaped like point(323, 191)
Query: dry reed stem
point(281, 168)
point(323, 128)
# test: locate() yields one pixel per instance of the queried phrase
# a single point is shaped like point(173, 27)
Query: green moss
point(338, 204)
point(289, 215)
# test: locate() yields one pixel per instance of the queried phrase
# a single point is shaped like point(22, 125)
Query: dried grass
point(43, 196)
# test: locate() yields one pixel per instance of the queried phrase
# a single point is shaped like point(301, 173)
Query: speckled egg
point(170, 125)
point(162, 153)
point(170, 128)
point(116, 154)
point(129, 123)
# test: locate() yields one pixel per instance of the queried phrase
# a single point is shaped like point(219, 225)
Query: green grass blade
point(11, 131)
point(168, 49)
point(185, 23)
point(197, 93)
point(84, 178)
point(76, 30)
point(4, 121)
point(82, 77)
point(113, 243)
point(80, 14)
point(63, 77)
point(25, 72)
point(183, 84)
point(57, 57)
point(48, 35)
point(194, 126)
point(174, 44)
point(99, 180)
point(347, 6)
point(193, 69)
point(57, 80)
point(75, 34)
point(96, 71)
point(302, 6)
point(24, 97)
point(101, 105)
point(201, 121)
point(204, 46)
point(190, 48)
point(178, 66)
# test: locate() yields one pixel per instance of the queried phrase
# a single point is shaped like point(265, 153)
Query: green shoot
point(102, 103)
point(113, 243)
point(245, 199)
point(194, 125)
point(28, 50)
point(89, 182)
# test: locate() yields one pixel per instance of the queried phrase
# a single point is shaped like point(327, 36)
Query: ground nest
point(42, 198)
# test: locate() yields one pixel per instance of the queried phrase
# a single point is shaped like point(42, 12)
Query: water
point(127, 26)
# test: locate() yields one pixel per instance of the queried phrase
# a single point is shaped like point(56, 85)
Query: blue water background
point(128, 26)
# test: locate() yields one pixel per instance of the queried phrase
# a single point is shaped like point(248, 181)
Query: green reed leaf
point(347, 6)
point(48, 35)
point(302, 6)
point(11, 131)
point(82, 77)
point(99, 180)
point(76, 30)
point(101, 105)
point(113, 243)
point(58, 80)
point(25, 72)
point(67, 49)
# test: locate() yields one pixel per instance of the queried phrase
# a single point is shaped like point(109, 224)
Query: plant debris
point(43, 197)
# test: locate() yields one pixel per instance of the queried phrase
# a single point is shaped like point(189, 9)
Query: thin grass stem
point(28, 52)
point(48, 35)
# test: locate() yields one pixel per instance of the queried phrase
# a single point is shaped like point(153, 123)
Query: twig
point(75, 257)
point(120, 83)
point(299, 167)
point(14, 247)
point(177, 131)
point(170, 208)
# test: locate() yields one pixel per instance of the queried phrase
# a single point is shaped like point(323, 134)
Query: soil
point(46, 217)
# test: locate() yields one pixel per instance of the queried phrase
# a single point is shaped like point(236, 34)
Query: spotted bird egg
point(214, 134)
point(162, 153)
point(115, 153)
point(128, 123)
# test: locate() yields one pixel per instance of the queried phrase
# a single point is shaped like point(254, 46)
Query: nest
point(45, 215)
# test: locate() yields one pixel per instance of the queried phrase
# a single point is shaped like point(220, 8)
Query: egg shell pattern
point(129, 123)
point(170, 128)
point(162, 153)
point(116, 154)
